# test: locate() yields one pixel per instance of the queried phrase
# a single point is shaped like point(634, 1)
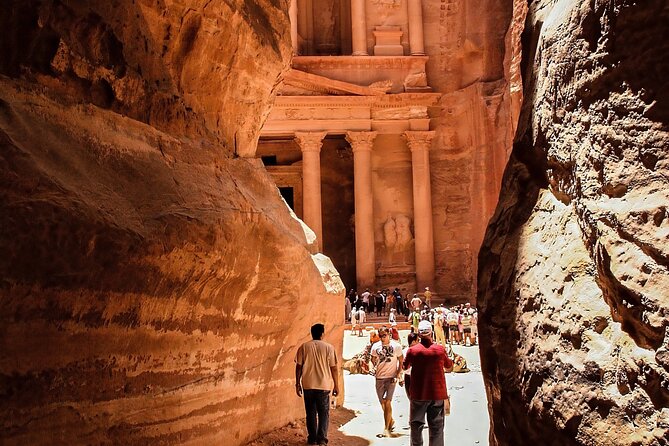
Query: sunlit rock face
point(574, 287)
point(153, 287)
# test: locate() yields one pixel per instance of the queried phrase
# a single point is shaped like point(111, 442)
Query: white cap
point(424, 327)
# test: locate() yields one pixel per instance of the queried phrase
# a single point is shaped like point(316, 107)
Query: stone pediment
point(301, 83)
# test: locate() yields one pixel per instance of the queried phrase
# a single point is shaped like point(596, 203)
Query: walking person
point(354, 320)
point(315, 374)
point(387, 357)
point(427, 392)
point(362, 318)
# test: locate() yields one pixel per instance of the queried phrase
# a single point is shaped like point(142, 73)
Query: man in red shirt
point(428, 362)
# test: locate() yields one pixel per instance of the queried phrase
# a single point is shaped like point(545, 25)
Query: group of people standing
point(453, 325)
point(419, 368)
point(384, 301)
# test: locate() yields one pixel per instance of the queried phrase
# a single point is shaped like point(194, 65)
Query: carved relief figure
point(397, 239)
point(397, 233)
point(390, 234)
point(404, 236)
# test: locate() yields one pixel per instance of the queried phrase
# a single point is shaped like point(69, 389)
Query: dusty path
point(358, 422)
point(467, 424)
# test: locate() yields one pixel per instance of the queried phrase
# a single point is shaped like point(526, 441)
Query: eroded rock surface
point(573, 279)
point(154, 288)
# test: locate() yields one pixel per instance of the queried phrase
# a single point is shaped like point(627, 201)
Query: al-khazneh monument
point(388, 138)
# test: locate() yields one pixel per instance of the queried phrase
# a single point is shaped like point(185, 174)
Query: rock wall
point(474, 51)
point(573, 273)
point(154, 287)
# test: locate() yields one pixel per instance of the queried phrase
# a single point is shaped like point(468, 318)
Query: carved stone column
point(358, 28)
point(310, 144)
point(292, 14)
point(419, 144)
point(365, 261)
point(416, 45)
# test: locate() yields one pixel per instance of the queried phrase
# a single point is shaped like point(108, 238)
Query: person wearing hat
point(427, 393)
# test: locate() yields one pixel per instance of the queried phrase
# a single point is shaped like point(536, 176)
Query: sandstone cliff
point(573, 279)
point(154, 287)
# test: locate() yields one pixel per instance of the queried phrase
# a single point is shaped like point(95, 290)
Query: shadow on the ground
point(295, 433)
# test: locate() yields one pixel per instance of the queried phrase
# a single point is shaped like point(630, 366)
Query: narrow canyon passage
point(187, 186)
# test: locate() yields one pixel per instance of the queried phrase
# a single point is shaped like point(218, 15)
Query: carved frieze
point(388, 4)
point(411, 112)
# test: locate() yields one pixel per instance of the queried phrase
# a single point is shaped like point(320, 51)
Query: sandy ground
point(361, 418)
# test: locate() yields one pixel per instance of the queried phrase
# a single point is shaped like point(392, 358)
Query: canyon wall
point(474, 62)
point(573, 273)
point(154, 287)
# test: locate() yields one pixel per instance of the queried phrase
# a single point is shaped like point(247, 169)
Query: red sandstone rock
point(153, 288)
point(573, 273)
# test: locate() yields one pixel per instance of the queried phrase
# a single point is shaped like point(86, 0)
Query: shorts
point(385, 388)
point(467, 330)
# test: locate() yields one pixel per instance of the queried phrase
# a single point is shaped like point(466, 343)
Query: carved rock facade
point(573, 279)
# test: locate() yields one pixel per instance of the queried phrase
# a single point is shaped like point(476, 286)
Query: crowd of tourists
point(456, 324)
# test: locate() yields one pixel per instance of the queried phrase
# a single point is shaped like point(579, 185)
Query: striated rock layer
point(153, 287)
point(573, 277)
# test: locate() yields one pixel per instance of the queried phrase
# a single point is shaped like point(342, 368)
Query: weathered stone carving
point(397, 233)
point(416, 80)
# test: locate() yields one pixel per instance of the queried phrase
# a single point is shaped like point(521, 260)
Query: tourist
point(387, 357)
point(428, 296)
point(394, 334)
point(391, 316)
point(372, 303)
point(467, 328)
point(475, 328)
point(354, 320)
point(427, 392)
point(461, 311)
point(412, 339)
point(415, 319)
point(407, 306)
point(315, 373)
point(365, 299)
point(452, 319)
point(439, 322)
point(362, 318)
point(378, 303)
point(348, 306)
point(416, 303)
point(390, 302)
point(358, 302)
point(352, 296)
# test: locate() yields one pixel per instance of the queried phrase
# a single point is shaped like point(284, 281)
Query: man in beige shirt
point(315, 372)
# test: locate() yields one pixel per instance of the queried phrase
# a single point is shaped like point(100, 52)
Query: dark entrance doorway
point(288, 194)
point(338, 205)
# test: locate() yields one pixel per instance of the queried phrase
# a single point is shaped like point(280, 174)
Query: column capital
point(361, 141)
point(419, 140)
point(310, 141)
